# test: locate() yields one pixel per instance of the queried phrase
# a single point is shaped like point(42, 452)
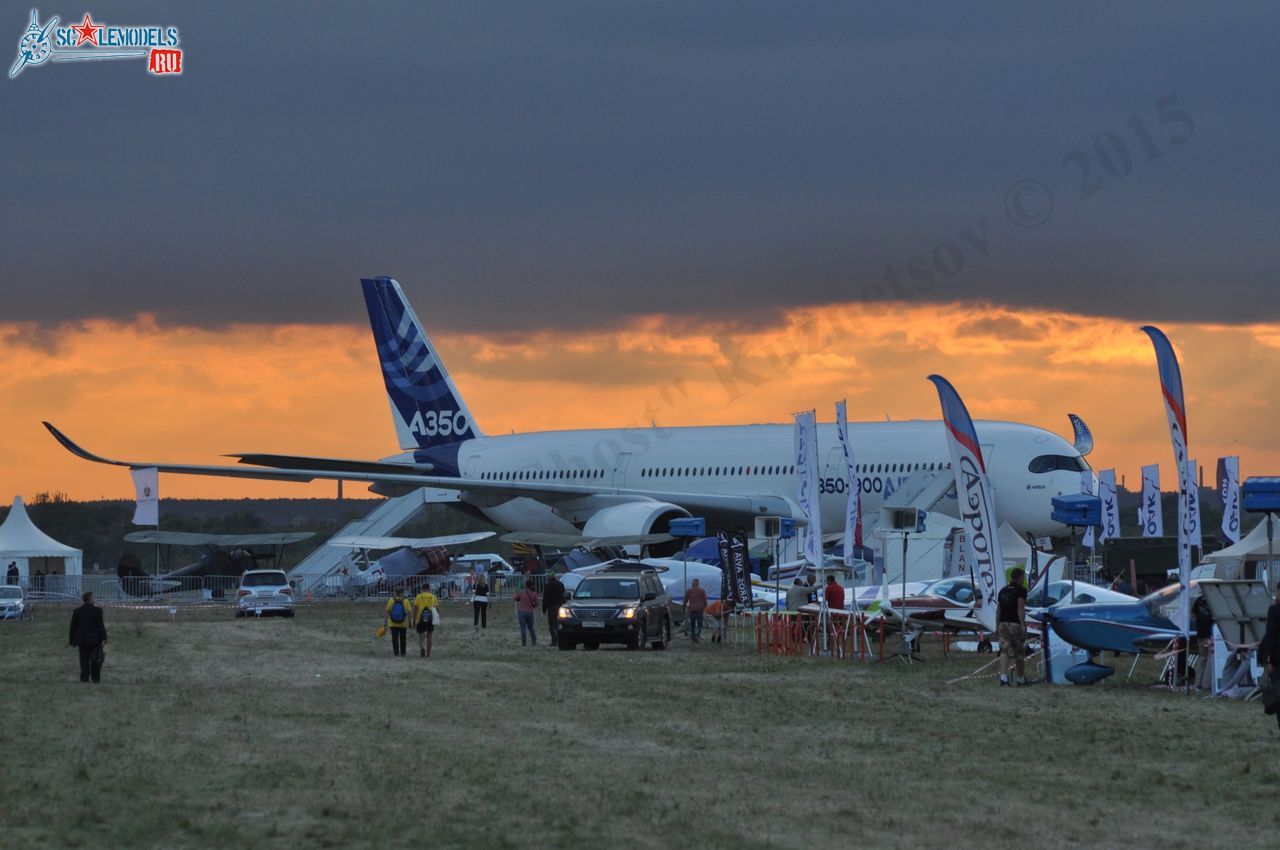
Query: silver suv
point(264, 592)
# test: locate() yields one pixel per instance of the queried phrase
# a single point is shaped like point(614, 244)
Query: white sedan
point(13, 603)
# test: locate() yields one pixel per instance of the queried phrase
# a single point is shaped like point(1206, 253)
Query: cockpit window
point(1051, 463)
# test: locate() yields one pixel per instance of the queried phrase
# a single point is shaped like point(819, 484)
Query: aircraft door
point(473, 464)
point(620, 469)
point(989, 449)
point(835, 478)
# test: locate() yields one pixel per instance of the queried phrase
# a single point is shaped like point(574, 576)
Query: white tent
point(1243, 560)
point(26, 547)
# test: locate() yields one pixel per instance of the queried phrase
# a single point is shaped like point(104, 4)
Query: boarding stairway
point(383, 520)
point(924, 490)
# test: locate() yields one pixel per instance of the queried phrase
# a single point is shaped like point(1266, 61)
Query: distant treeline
point(98, 528)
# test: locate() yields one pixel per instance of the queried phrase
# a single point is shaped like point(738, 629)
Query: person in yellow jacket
point(399, 615)
point(424, 618)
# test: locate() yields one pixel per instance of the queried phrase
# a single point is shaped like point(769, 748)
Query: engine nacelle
point(633, 518)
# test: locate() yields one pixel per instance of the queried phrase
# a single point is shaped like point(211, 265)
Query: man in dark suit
point(88, 633)
point(1269, 649)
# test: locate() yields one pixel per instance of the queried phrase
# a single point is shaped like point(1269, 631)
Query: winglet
point(71, 446)
point(1083, 436)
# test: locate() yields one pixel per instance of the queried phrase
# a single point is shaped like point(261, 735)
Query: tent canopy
point(1254, 544)
point(19, 538)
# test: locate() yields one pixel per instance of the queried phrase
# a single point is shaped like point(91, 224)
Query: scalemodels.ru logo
point(91, 41)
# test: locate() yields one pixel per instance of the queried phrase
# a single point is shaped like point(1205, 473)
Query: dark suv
point(622, 602)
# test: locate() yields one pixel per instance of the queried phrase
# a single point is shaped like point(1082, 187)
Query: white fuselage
point(759, 460)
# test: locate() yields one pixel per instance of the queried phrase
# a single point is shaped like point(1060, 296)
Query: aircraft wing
point(1239, 608)
point(365, 541)
point(329, 464)
point(569, 541)
point(963, 621)
point(1156, 641)
point(745, 505)
point(224, 541)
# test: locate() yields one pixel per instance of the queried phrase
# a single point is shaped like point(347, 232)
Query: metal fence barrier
point(212, 591)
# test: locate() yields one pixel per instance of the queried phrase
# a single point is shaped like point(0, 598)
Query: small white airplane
point(633, 481)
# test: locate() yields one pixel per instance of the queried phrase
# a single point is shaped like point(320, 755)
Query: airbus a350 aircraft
point(633, 481)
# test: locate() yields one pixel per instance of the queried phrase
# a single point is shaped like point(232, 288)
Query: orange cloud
point(143, 391)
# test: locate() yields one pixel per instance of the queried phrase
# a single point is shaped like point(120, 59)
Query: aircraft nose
point(1067, 626)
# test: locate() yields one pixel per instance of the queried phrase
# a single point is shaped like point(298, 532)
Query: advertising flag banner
point(1175, 409)
point(976, 501)
point(1110, 509)
point(806, 446)
point(1229, 493)
point(1149, 514)
point(728, 587)
point(1088, 487)
point(853, 510)
point(741, 568)
point(953, 554)
point(147, 484)
point(1194, 538)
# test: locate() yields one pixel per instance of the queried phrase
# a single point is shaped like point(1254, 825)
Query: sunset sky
point(141, 391)
point(711, 212)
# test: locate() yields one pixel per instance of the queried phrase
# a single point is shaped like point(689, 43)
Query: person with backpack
point(397, 622)
point(526, 604)
point(1011, 625)
point(424, 618)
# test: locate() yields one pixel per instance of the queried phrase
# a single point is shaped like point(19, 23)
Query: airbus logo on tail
point(442, 424)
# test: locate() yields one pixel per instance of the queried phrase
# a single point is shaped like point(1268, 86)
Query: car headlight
point(628, 614)
point(564, 613)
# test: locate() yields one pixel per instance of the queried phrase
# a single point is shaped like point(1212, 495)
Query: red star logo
point(87, 31)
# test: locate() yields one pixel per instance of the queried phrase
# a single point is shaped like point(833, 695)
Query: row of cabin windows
point(700, 471)
point(543, 475)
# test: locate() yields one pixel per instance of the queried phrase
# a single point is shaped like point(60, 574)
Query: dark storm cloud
point(567, 164)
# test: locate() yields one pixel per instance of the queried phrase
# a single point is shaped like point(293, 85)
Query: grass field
point(214, 732)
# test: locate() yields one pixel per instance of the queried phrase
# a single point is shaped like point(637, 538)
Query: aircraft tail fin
point(425, 405)
point(134, 580)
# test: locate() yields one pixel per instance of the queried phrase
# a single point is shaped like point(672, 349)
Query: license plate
point(590, 625)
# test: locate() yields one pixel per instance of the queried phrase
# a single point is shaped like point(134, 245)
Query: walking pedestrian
point(1203, 616)
point(11, 575)
point(480, 603)
point(397, 622)
point(88, 634)
point(1011, 625)
point(552, 599)
point(526, 603)
point(424, 618)
point(1269, 648)
point(695, 606)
